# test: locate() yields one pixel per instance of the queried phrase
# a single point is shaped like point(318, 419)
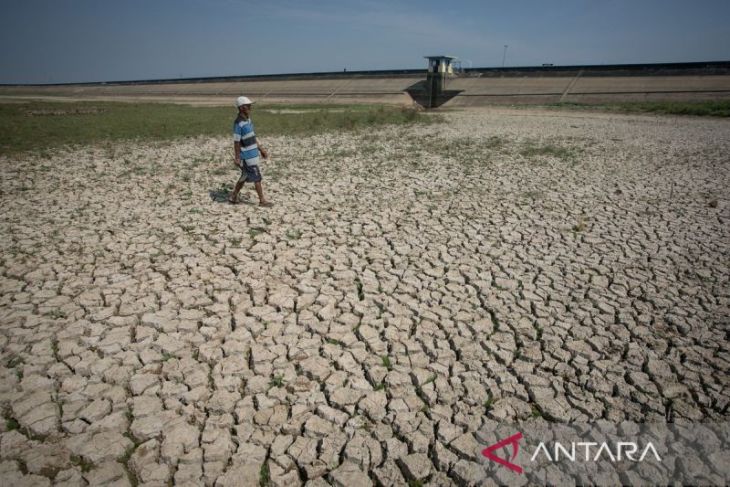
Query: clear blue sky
point(44, 41)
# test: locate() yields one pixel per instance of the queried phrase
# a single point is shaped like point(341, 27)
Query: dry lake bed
point(410, 285)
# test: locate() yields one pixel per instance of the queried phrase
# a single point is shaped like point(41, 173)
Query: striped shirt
point(243, 132)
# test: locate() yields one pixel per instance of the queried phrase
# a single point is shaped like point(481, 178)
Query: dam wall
point(473, 87)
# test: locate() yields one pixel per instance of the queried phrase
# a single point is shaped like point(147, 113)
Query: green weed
point(11, 424)
point(264, 475)
point(82, 463)
point(254, 231)
point(277, 381)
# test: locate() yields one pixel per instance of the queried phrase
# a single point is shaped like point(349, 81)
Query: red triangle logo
point(512, 440)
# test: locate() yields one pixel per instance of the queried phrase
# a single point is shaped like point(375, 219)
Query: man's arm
point(237, 154)
point(264, 152)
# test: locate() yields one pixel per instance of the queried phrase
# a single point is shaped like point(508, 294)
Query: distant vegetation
point(704, 108)
point(36, 125)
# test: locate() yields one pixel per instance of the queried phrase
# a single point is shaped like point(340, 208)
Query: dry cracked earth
point(409, 285)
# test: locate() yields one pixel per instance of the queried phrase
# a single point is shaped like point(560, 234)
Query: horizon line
point(345, 73)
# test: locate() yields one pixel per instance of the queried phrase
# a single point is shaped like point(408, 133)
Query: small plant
point(536, 412)
point(264, 475)
point(386, 362)
point(494, 142)
point(277, 381)
point(358, 285)
point(293, 234)
point(56, 314)
point(11, 424)
point(332, 341)
point(533, 195)
point(254, 231)
point(580, 226)
point(15, 361)
point(82, 463)
point(127, 454)
point(488, 402)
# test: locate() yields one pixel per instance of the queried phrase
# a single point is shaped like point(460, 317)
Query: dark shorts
point(249, 174)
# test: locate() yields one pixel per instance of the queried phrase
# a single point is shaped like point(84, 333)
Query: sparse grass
point(579, 226)
point(83, 123)
point(11, 424)
point(56, 314)
point(277, 381)
point(488, 402)
point(293, 234)
point(386, 362)
point(533, 195)
point(82, 463)
point(264, 475)
point(254, 231)
point(127, 454)
point(536, 412)
point(494, 142)
point(14, 361)
point(467, 150)
point(360, 293)
point(531, 150)
point(701, 108)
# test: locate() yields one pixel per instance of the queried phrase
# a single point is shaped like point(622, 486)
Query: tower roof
point(441, 57)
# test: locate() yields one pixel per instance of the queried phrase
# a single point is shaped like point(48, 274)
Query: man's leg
point(234, 195)
point(260, 192)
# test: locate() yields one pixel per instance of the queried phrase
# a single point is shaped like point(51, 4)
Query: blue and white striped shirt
point(243, 132)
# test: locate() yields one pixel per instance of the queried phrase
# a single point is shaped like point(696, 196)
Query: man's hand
point(237, 163)
point(264, 152)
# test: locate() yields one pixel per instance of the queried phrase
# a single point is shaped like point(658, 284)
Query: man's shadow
point(221, 195)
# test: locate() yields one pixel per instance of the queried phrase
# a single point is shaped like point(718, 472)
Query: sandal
point(233, 201)
point(266, 204)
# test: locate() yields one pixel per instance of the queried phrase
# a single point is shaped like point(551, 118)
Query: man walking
point(247, 151)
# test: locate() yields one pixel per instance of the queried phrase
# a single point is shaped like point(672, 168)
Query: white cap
point(242, 100)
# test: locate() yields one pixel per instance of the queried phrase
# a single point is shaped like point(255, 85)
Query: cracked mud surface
point(409, 285)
